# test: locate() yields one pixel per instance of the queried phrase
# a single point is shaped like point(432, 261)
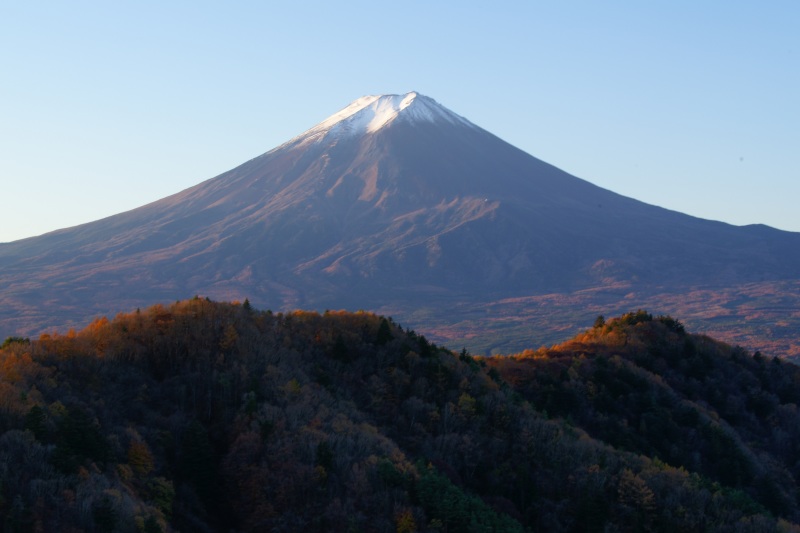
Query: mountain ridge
point(208, 416)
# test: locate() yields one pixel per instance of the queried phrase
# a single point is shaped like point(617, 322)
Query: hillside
point(203, 416)
point(644, 385)
point(762, 316)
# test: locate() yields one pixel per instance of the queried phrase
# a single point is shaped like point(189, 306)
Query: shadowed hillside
point(644, 385)
point(205, 416)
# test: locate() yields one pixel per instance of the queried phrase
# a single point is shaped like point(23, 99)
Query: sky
point(107, 106)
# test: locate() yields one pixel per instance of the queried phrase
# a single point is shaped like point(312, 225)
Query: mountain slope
point(203, 416)
point(394, 201)
point(642, 384)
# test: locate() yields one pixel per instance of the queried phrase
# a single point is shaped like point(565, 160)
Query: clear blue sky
point(106, 106)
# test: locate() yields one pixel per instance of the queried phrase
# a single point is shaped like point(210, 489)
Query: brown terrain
point(760, 316)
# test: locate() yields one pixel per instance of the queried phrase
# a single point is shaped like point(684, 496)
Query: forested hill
point(206, 416)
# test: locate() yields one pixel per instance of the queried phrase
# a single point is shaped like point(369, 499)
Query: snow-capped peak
point(368, 114)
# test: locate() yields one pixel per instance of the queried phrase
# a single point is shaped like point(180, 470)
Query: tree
point(339, 350)
point(197, 465)
point(104, 515)
point(384, 333)
point(638, 498)
point(151, 525)
point(79, 438)
point(162, 494)
point(405, 521)
point(15, 340)
point(35, 422)
point(140, 458)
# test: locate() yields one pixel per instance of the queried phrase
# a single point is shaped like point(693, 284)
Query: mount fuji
point(396, 204)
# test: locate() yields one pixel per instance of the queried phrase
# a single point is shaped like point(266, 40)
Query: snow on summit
point(368, 114)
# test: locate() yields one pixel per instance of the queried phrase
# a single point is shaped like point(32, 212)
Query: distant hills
point(203, 416)
point(399, 205)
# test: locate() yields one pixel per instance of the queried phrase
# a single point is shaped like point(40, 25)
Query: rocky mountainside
point(396, 204)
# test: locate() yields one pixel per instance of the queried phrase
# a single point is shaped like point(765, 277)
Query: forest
point(210, 416)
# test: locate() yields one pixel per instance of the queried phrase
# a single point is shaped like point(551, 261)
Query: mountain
point(205, 416)
point(395, 204)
